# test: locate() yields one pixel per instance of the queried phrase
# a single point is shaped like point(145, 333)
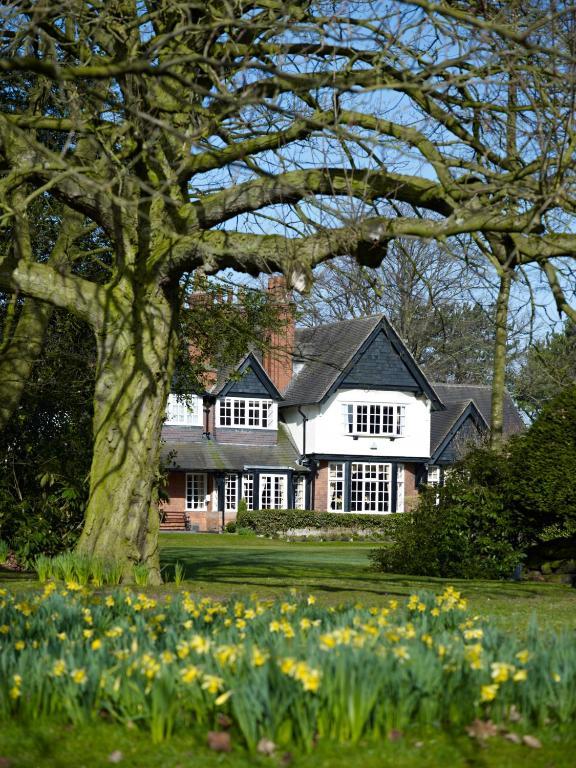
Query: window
point(231, 493)
point(374, 419)
point(196, 491)
point(300, 492)
point(272, 491)
point(433, 475)
point(370, 488)
point(400, 488)
point(243, 412)
point(184, 410)
point(336, 487)
point(248, 490)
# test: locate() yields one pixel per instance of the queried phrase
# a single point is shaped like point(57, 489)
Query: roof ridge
point(378, 316)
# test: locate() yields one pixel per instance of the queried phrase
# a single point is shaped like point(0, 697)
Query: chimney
point(277, 359)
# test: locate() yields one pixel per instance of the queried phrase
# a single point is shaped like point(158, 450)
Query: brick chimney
point(277, 359)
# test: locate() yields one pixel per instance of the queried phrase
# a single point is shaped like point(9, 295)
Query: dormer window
point(184, 410)
point(374, 419)
point(247, 413)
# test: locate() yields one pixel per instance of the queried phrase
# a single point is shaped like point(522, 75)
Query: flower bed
point(286, 671)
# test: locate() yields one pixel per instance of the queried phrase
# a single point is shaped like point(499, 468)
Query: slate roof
point(208, 455)
point(326, 351)
point(251, 361)
point(456, 398)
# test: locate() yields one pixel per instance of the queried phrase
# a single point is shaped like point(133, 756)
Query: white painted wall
point(325, 429)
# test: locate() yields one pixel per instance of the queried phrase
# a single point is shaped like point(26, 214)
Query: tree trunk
point(22, 349)
point(134, 371)
point(499, 367)
point(19, 355)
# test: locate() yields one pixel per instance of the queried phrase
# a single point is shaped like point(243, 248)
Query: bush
point(275, 522)
point(542, 464)
point(461, 530)
point(230, 526)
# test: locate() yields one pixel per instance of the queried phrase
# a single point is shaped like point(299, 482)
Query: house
point(337, 418)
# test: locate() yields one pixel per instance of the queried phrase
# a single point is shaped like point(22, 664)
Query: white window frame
point(247, 413)
point(336, 480)
point(433, 474)
point(197, 492)
point(248, 490)
point(400, 483)
point(231, 493)
point(300, 492)
point(369, 491)
point(184, 410)
point(362, 419)
point(277, 491)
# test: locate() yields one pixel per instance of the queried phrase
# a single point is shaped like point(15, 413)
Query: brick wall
point(410, 490)
point(320, 501)
point(208, 520)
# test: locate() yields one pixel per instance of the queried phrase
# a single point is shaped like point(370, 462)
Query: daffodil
point(488, 692)
point(79, 676)
point(189, 674)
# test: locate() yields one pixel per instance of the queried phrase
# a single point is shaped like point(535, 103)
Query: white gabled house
point(337, 418)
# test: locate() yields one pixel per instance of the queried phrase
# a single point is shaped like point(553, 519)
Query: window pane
point(400, 488)
point(300, 492)
point(196, 494)
point(231, 493)
point(273, 491)
point(336, 487)
point(186, 411)
point(248, 490)
point(370, 488)
point(251, 413)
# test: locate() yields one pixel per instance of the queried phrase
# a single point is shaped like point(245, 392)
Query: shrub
point(230, 526)
point(542, 463)
point(461, 530)
point(4, 551)
point(275, 522)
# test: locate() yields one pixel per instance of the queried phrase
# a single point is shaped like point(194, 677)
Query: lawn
point(338, 572)
point(61, 746)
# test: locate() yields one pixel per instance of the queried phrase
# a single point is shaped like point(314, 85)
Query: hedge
point(272, 522)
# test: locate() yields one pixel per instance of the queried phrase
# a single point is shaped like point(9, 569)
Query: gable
point(249, 380)
point(249, 384)
point(468, 434)
point(380, 366)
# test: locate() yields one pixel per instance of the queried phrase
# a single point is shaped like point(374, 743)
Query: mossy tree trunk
point(500, 357)
point(136, 344)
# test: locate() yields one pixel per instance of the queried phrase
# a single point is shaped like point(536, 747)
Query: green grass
point(338, 572)
point(59, 746)
point(221, 566)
